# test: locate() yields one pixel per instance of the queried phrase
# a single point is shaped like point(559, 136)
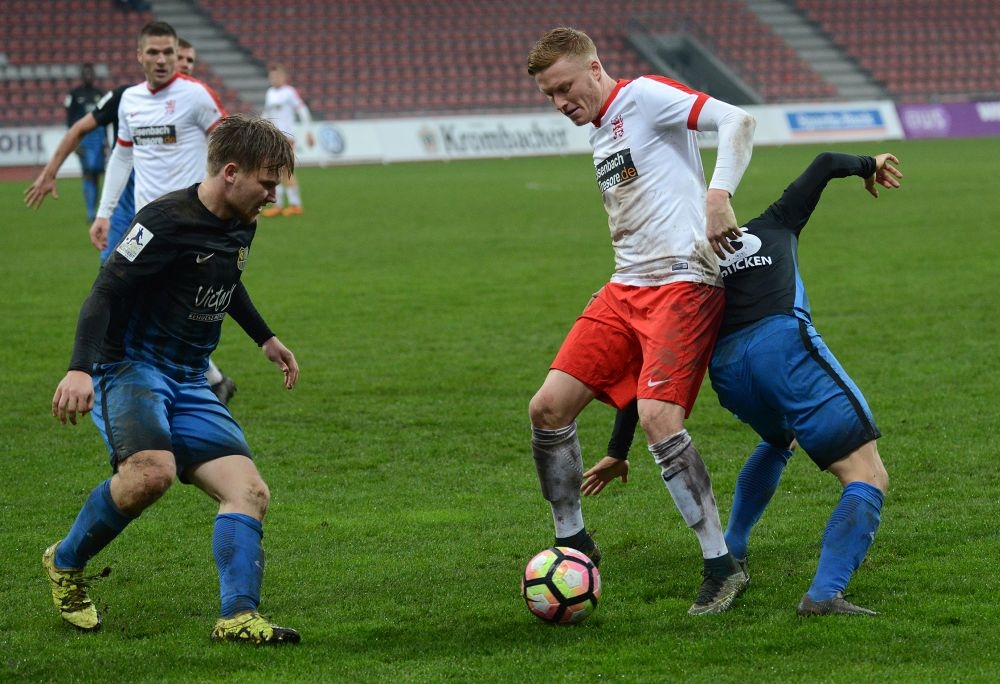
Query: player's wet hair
point(252, 143)
point(557, 43)
point(156, 28)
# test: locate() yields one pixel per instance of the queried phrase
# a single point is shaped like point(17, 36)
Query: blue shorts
point(138, 407)
point(91, 152)
point(121, 218)
point(779, 377)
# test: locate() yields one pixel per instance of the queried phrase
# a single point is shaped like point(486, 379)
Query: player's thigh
point(677, 326)
point(131, 409)
point(601, 352)
point(234, 482)
point(743, 379)
point(202, 428)
point(824, 407)
point(92, 159)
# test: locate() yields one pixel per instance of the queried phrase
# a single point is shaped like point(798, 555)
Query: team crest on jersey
point(241, 258)
point(170, 106)
point(136, 240)
point(618, 168)
point(617, 127)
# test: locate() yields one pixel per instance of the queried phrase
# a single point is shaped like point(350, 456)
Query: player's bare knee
point(257, 497)
point(141, 480)
point(862, 465)
point(544, 412)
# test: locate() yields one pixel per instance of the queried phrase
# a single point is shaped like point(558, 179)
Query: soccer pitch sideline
point(424, 303)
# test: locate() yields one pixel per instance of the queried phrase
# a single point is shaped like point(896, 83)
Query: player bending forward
point(142, 343)
point(772, 369)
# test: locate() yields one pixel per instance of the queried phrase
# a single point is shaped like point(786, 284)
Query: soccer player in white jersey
point(163, 127)
point(649, 332)
point(282, 105)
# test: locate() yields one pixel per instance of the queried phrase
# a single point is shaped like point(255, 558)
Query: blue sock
point(90, 195)
point(756, 484)
point(847, 538)
point(98, 522)
point(240, 559)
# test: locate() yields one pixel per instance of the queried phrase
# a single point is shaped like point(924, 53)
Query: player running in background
point(143, 339)
point(772, 369)
point(650, 331)
point(105, 115)
point(81, 101)
point(282, 105)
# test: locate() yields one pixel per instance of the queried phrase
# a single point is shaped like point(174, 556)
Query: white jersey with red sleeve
point(167, 129)
point(651, 177)
point(282, 105)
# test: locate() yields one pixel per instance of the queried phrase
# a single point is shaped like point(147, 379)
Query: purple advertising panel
point(951, 120)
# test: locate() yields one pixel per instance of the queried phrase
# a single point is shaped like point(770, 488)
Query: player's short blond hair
point(251, 142)
point(558, 43)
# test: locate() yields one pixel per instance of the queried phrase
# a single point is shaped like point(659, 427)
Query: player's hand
point(603, 472)
point(310, 139)
point(283, 358)
point(74, 394)
point(885, 174)
point(592, 298)
point(99, 233)
point(35, 195)
point(722, 226)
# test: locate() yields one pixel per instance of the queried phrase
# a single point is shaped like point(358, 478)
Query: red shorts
point(645, 342)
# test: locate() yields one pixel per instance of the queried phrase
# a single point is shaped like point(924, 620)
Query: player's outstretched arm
point(283, 358)
point(886, 174)
point(45, 184)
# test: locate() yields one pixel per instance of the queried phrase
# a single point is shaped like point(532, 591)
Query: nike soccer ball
point(561, 585)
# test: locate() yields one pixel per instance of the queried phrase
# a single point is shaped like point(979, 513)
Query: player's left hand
point(722, 226)
point(284, 359)
point(885, 174)
point(603, 472)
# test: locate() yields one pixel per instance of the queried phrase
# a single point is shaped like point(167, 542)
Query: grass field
point(424, 303)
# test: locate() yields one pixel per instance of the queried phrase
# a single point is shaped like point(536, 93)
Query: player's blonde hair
point(252, 143)
point(557, 43)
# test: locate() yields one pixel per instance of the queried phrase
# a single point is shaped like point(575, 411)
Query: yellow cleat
point(271, 212)
point(69, 593)
point(292, 211)
point(250, 627)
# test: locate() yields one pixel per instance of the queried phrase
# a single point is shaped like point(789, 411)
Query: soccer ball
point(561, 585)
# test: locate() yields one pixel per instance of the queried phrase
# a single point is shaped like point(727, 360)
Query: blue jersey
point(162, 295)
point(762, 277)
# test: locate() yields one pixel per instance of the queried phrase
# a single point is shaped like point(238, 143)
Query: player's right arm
point(115, 179)
point(46, 182)
point(75, 392)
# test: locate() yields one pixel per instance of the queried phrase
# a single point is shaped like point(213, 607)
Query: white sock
point(213, 374)
point(560, 473)
point(294, 198)
point(686, 477)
